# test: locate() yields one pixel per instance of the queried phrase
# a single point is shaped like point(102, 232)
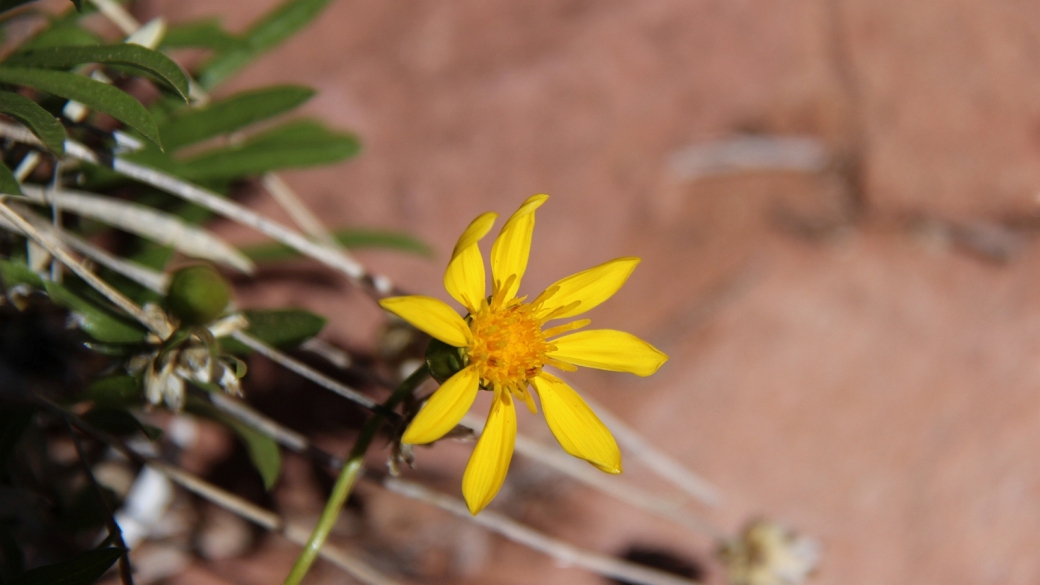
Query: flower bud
point(198, 294)
point(443, 360)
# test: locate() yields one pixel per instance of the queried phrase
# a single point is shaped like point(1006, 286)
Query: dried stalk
point(151, 279)
point(563, 552)
point(162, 329)
point(659, 462)
point(304, 370)
point(299, 212)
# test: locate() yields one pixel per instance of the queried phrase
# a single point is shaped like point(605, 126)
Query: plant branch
point(563, 552)
point(348, 478)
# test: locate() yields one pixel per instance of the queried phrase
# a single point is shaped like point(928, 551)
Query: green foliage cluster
point(218, 144)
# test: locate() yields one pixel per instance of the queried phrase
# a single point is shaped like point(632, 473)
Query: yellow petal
point(489, 463)
point(464, 278)
point(432, 316)
point(590, 287)
point(513, 245)
point(607, 349)
point(444, 409)
point(575, 426)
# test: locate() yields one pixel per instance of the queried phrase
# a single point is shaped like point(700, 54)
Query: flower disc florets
point(508, 346)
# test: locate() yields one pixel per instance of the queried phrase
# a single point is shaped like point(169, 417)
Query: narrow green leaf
point(117, 421)
point(15, 273)
point(113, 391)
point(126, 54)
point(205, 33)
point(45, 126)
point(82, 569)
point(96, 321)
point(233, 113)
point(351, 238)
point(94, 94)
point(277, 26)
point(301, 143)
point(63, 36)
point(263, 450)
point(8, 184)
point(277, 327)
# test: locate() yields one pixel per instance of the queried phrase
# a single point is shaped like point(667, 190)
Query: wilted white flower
point(767, 553)
point(165, 372)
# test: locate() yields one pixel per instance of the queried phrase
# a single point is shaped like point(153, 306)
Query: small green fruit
point(198, 294)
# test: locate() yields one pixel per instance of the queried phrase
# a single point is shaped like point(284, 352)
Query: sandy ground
point(853, 354)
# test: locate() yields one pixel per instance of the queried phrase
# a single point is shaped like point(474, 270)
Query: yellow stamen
point(508, 347)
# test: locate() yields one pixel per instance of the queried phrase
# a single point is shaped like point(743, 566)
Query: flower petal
point(432, 316)
point(575, 426)
point(607, 349)
point(444, 409)
point(513, 245)
point(489, 462)
point(590, 287)
point(464, 278)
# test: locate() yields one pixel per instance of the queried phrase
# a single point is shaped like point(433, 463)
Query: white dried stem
point(615, 487)
point(304, 370)
point(27, 166)
point(750, 154)
point(563, 552)
point(268, 520)
point(149, 223)
point(282, 435)
point(659, 462)
point(610, 485)
point(296, 209)
point(151, 279)
point(118, 15)
point(55, 248)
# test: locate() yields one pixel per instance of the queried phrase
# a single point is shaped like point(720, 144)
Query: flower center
point(508, 345)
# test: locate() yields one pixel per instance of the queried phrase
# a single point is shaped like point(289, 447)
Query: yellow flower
point(505, 348)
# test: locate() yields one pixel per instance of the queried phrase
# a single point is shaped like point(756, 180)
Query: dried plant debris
point(768, 553)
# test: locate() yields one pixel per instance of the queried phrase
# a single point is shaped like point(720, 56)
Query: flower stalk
point(348, 477)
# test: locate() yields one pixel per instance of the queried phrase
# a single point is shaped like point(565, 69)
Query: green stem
point(348, 477)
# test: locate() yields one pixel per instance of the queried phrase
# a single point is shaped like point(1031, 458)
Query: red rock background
point(858, 361)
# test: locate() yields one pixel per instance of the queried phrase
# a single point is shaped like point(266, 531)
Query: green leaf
point(119, 422)
point(301, 143)
point(126, 54)
point(277, 26)
point(82, 569)
point(233, 113)
point(205, 33)
point(277, 327)
point(94, 94)
point(114, 391)
point(67, 35)
point(351, 238)
point(98, 322)
point(8, 184)
point(15, 273)
point(263, 450)
point(45, 126)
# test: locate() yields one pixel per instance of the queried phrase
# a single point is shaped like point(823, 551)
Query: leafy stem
point(349, 475)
